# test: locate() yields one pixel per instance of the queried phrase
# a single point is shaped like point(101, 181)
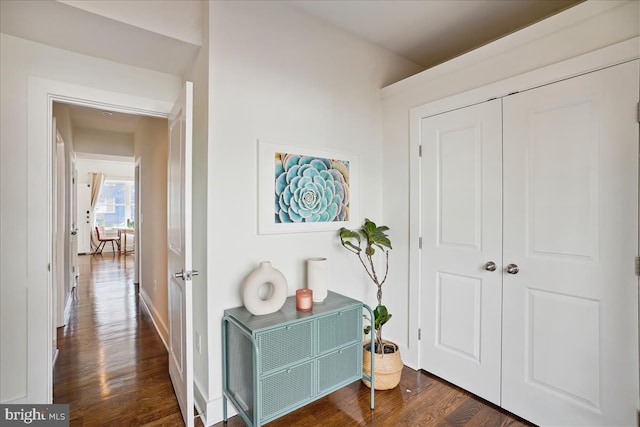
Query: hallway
point(112, 366)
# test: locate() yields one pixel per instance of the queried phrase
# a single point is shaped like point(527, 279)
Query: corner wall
point(150, 147)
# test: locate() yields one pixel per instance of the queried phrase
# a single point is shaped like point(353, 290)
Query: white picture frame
point(291, 203)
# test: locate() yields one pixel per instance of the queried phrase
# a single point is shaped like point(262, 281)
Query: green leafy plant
point(365, 242)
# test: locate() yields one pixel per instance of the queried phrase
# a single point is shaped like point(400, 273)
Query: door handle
point(74, 232)
point(186, 275)
point(490, 266)
point(512, 269)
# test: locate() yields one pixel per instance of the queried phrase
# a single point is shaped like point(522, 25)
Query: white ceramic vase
point(264, 290)
point(317, 278)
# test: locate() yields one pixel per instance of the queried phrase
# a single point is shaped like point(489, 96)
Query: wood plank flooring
point(112, 371)
point(112, 366)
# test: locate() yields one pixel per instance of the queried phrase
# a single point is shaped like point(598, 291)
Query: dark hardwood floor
point(112, 371)
point(112, 365)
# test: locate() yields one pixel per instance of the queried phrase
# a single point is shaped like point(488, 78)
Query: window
point(116, 205)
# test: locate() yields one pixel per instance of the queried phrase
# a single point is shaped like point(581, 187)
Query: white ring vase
point(264, 274)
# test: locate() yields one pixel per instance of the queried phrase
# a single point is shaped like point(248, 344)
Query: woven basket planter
point(388, 368)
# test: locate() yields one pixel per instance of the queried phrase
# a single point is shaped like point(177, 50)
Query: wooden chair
point(103, 238)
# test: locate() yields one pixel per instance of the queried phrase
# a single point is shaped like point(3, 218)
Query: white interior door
point(570, 320)
point(57, 276)
point(179, 252)
point(60, 268)
point(73, 234)
point(462, 233)
point(84, 215)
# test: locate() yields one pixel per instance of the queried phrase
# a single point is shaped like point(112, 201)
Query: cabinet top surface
point(288, 312)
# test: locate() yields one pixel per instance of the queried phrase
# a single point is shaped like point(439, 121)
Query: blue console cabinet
point(276, 363)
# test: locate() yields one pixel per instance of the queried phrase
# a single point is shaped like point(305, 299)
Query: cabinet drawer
point(339, 329)
point(285, 390)
point(339, 368)
point(285, 346)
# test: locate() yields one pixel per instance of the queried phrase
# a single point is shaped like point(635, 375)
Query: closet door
point(570, 319)
point(461, 211)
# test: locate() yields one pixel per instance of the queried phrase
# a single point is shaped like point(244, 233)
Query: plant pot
point(388, 367)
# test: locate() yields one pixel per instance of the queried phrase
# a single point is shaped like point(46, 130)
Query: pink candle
point(304, 299)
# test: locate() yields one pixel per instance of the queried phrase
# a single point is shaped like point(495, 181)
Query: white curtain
point(97, 179)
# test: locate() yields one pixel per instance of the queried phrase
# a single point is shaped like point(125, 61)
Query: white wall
point(24, 193)
point(96, 141)
point(581, 29)
point(122, 167)
point(280, 75)
point(150, 141)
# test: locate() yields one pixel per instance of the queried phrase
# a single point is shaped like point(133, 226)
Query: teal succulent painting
point(310, 189)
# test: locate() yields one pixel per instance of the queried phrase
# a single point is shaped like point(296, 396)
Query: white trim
point(213, 411)
point(511, 42)
point(67, 306)
point(161, 328)
point(598, 59)
point(55, 357)
point(104, 157)
point(41, 93)
point(602, 58)
point(137, 228)
point(210, 410)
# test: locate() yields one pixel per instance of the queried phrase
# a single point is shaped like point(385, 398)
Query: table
point(279, 362)
point(123, 242)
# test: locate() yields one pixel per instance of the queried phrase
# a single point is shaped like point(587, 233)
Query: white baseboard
point(210, 410)
point(55, 358)
point(67, 306)
point(161, 328)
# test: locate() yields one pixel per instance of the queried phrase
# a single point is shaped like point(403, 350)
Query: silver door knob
point(186, 275)
point(490, 266)
point(512, 269)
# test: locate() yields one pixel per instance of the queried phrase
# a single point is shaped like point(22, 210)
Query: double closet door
point(529, 219)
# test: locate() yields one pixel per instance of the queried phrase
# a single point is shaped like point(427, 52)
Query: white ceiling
point(429, 32)
point(91, 118)
point(426, 32)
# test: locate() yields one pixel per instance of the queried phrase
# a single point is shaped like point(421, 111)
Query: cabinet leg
point(224, 408)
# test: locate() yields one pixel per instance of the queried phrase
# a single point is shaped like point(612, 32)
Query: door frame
point(609, 56)
point(137, 260)
point(41, 93)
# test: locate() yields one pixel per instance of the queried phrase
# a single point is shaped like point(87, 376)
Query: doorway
point(98, 144)
point(41, 95)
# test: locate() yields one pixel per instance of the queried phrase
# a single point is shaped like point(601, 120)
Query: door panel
point(84, 219)
point(73, 239)
point(570, 319)
point(179, 253)
point(461, 227)
point(561, 179)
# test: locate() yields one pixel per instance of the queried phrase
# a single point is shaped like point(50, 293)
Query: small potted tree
point(365, 243)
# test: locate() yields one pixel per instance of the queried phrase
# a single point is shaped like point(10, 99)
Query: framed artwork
point(302, 189)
